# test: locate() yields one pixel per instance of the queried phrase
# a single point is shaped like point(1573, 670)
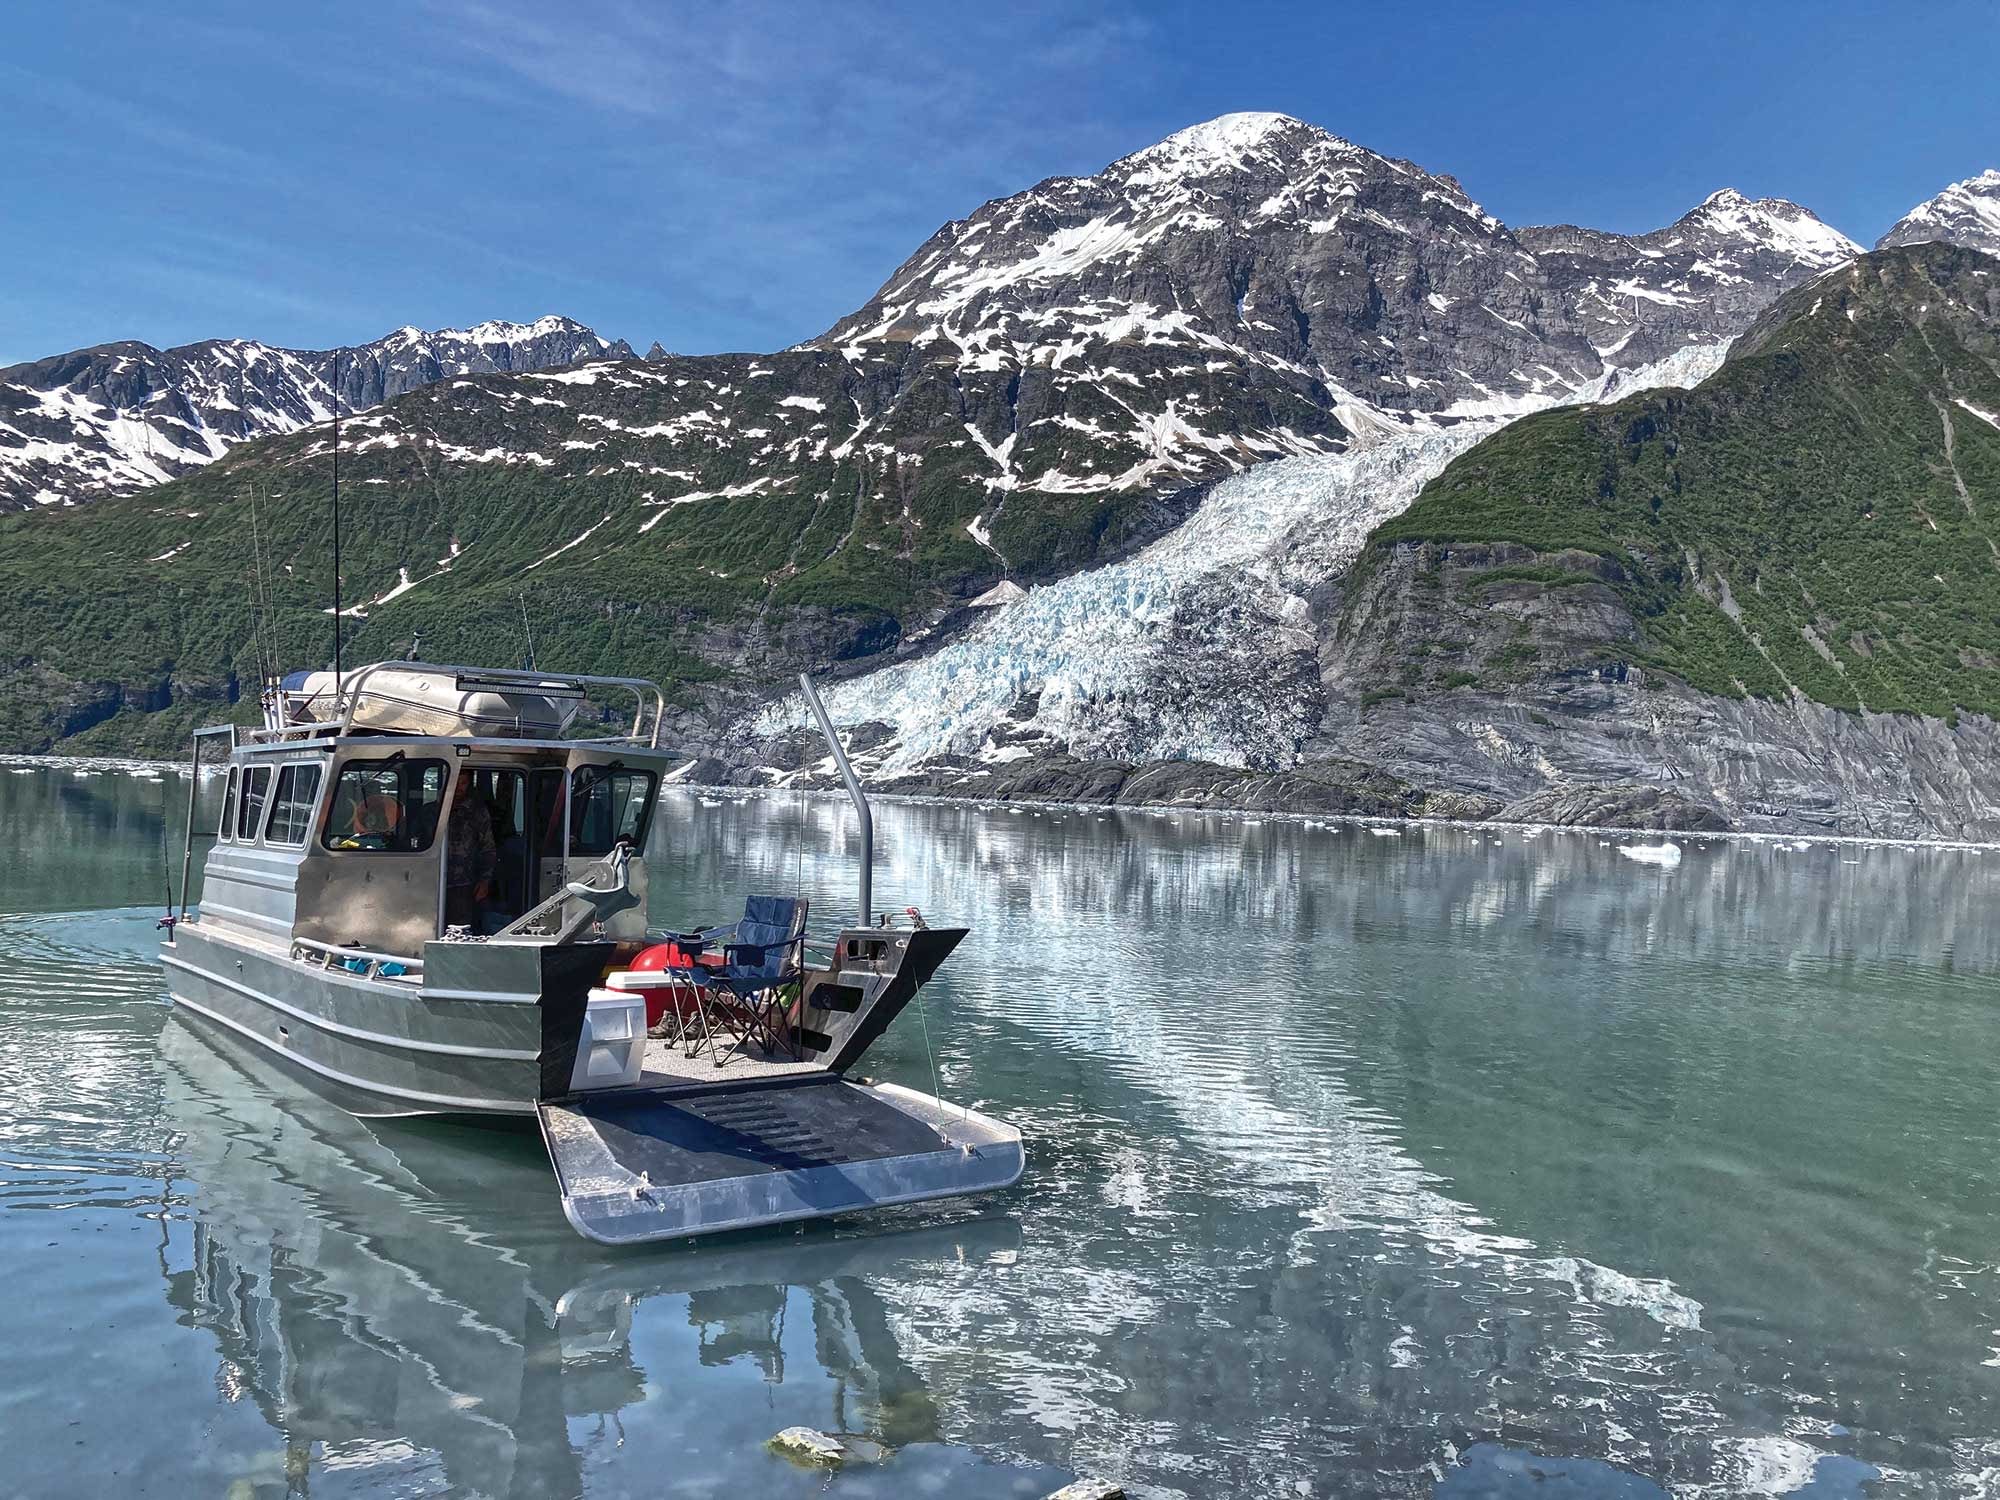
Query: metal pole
point(855, 793)
point(187, 845)
point(336, 523)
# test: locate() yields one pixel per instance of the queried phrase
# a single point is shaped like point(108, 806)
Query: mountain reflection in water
point(393, 1339)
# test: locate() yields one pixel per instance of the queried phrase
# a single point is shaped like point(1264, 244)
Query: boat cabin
point(374, 835)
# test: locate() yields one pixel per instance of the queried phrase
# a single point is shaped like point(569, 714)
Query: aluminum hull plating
point(381, 1048)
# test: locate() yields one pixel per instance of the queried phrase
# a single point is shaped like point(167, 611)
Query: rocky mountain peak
point(120, 417)
point(1366, 284)
point(1778, 223)
point(1247, 142)
point(501, 331)
point(1966, 213)
point(1228, 136)
point(1268, 168)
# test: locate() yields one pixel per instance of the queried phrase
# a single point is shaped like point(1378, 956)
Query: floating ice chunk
point(1667, 853)
point(1658, 1300)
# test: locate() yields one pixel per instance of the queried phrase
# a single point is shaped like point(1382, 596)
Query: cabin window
point(250, 809)
point(608, 804)
point(292, 804)
point(227, 827)
point(389, 805)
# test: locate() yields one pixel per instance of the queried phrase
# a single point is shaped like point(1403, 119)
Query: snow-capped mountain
point(1268, 249)
point(123, 416)
point(1638, 298)
point(1258, 242)
point(1046, 387)
point(1966, 213)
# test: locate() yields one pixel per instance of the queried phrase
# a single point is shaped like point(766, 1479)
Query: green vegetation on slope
point(713, 522)
point(1822, 514)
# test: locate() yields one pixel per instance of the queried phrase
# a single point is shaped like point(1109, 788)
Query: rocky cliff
point(1773, 595)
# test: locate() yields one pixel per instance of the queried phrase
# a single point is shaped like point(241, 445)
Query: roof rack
point(571, 686)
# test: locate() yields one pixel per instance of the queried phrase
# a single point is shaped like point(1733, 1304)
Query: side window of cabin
point(250, 810)
point(385, 805)
point(227, 827)
point(292, 804)
point(607, 806)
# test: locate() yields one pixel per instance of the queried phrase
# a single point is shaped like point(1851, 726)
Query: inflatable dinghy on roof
point(447, 701)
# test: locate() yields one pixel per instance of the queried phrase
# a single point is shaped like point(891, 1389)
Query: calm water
point(1451, 1164)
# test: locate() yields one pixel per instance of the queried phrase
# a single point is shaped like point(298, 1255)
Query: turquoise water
point(1459, 1163)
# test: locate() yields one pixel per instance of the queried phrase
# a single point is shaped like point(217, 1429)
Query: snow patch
point(573, 542)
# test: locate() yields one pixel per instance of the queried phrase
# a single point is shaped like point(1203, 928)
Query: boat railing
point(284, 734)
point(373, 965)
point(501, 679)
point(579, 903)
point(649, 703)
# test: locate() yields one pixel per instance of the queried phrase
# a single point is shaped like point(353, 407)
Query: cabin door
point(493, 853)
point(582, 812)
point(550, 806)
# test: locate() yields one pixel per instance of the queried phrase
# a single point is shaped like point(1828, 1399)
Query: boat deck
point(647, 1164)
point(668, 1063)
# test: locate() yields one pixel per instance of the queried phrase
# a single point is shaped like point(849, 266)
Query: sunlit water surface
point(1457, 1163)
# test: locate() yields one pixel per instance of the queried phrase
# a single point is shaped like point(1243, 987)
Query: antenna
point(260, 611)
point(270, 588)
point(336, 520)
point(528, 633)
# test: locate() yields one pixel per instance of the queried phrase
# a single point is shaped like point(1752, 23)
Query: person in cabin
point(471, 855)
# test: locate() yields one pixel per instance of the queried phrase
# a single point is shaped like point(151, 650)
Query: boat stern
point(635, 1165)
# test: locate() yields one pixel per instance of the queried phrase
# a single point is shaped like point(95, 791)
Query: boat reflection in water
point(407, 1306)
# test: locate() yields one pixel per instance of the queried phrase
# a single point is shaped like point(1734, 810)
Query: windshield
point(385, 805)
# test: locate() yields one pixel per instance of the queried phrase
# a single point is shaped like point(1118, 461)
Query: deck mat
point(784, 1125)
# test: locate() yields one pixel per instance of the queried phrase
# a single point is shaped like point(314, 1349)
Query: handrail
point(855, 794)
point(334, 950)
point(639, 687)
point(543, 918)
point(207, 731)
point(331, 953)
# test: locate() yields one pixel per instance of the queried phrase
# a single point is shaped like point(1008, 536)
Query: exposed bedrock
point(1512, 676)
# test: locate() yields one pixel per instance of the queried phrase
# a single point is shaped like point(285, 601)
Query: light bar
point(547, 687)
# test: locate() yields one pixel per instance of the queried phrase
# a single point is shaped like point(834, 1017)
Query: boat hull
point(493, 1033)
point(376, 1049)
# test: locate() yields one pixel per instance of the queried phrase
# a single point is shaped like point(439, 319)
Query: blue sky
point(739, 175)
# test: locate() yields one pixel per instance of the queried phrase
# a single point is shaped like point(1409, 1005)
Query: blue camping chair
point(762, 954)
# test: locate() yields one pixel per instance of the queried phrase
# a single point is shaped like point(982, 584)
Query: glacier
point(1094, 645)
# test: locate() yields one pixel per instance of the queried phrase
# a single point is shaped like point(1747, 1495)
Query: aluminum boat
point(335, 933)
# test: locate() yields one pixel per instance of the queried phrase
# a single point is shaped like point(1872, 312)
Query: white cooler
point(611, 1053)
